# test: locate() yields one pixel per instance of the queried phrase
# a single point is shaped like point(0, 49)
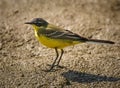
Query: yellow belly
point(56, 43)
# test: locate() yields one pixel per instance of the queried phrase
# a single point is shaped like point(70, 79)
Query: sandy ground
point(23, 58)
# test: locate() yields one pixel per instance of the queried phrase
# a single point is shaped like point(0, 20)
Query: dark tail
point(100, 41)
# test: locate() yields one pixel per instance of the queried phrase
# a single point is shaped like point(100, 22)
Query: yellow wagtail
point(58, 38)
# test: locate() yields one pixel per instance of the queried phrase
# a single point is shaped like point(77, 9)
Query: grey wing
point(63, 35)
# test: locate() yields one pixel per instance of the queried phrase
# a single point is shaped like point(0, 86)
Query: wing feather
point(57, 33)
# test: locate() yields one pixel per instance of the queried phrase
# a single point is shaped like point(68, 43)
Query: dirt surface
point(23, 58)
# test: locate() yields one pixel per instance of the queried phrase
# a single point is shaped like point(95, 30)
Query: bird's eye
point(38, 23)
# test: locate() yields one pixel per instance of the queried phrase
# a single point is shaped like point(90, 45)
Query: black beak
point(29, 23)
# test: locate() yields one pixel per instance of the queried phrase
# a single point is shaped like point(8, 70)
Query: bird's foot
point(58, 66)
point(51, 69)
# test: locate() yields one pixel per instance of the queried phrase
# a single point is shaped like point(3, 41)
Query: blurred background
point(22, 58)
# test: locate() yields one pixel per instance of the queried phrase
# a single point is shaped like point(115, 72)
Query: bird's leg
point(62, 51)
point(57, 54)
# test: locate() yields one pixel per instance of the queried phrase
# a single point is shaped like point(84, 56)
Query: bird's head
point(38, 22)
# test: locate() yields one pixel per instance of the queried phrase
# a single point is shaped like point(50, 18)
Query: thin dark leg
point(57, 54)
point(60, 57)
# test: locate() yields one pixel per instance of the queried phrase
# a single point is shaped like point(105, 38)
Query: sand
point(23, 59)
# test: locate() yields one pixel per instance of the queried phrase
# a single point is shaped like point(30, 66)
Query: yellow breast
point(55, 43)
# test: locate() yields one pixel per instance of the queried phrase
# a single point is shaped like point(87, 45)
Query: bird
point(58, 38)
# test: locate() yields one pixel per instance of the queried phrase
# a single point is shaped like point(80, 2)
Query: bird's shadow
point(81, 77)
